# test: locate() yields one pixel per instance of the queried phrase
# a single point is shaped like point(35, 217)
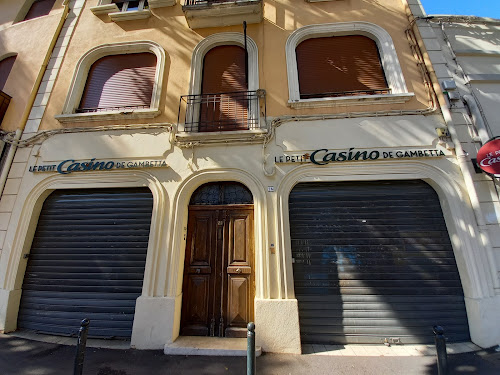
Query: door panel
point(218, 290)
point(240, 276)
point(198, 274)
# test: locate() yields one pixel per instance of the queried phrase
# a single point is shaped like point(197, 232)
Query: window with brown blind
point(339, 66)
point(39, 8)
point(224, 99)
point(119, 82)
point(5, 68)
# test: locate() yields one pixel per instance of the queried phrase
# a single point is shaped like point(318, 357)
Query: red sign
point(488, 157)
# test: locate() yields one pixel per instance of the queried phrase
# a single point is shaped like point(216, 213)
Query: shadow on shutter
point(119, 82)
point(5, 68)
point(339, 66)
point(39, 8)
point(223, 106)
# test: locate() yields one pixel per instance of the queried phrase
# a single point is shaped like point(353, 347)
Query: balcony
point(217, 13)
point(4, 104)
point(227, 115)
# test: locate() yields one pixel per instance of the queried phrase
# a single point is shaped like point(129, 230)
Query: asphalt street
point(27, 357)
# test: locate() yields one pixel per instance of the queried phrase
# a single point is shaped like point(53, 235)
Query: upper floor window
point(224, 89)
point(119, 82)
point(129, 6)
point(116, 81)
point(39, 8)
point(224, 98)
point(5, 68)
point(343, 63)
point(339, 66)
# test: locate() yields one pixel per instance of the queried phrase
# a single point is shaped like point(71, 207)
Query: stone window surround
point(215, 40)
point(80, 79)
point(388, 57)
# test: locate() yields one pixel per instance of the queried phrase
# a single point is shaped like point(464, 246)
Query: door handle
point(238, 270)
point(198, 270)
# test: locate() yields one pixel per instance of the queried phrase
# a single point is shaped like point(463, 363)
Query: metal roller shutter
point(120, 81)
point(87, 261)
point(224, 72)
point(373, 261)
point(323, 71)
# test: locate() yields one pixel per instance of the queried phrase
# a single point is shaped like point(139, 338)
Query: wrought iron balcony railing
point(4, 104)
point(221, 111)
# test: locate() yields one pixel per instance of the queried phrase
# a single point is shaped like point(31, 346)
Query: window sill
point(351, 100)
point(104, 9)
point(111, 115)
point(130, 16)
point(224, 136)
point(223, 14)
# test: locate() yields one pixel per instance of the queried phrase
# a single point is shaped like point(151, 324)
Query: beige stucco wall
point(30, 40)
point(168, 28)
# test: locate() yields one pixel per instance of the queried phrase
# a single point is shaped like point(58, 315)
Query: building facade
point(197, 166)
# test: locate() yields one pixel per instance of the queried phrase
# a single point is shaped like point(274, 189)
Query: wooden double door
point(218, 287)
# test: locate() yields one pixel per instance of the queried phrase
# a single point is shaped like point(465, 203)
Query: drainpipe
point(477, 119)
point(31, 100)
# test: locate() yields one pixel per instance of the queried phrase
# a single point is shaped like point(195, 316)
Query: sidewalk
point(28, 357)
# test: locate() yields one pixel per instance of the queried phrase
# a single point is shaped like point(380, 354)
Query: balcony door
point(224, 99)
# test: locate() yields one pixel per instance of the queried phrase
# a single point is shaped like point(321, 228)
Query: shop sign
point(488, 157)
point(69, 166)
point(325, 156)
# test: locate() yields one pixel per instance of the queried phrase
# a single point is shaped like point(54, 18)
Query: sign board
point(325, 156)
point(488, 157)
point(69, 166)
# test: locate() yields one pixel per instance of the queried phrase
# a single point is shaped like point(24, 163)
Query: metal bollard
point(442, 356)
point(80, 347)
point(251, 349)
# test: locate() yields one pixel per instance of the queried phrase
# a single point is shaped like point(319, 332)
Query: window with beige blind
point(224, 90)
point(343, 63)
point(340, 66)
point(119, 83)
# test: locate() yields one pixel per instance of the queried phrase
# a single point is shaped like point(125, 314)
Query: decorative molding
point(388, 57)
point(80, 78)
point(180, 203)
point(352, 100)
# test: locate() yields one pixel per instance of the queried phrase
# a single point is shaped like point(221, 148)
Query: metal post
point(80, 346)
point(442, 356)
point(251, 349)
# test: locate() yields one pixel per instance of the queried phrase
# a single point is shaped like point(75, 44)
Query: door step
point(211, 346)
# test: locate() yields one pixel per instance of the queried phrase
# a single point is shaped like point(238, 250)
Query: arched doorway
point(219, 282)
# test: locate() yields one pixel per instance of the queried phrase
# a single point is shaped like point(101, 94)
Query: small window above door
point(221, 193)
